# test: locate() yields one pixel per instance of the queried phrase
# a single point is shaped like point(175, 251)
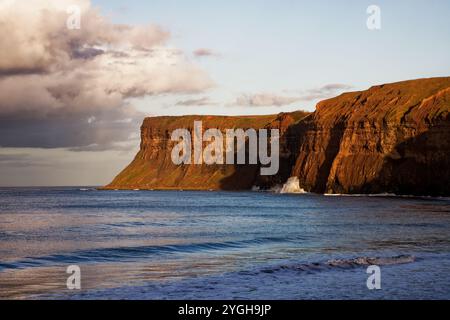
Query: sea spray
point(256, 188)
point(292, 186)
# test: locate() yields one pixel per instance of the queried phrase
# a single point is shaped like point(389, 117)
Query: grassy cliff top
point(257, 121)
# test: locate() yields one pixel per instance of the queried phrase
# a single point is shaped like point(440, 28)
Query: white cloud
point(204, 101)
point(204, 52)
point(264, 99)
point(52, 79)
point(270, 99)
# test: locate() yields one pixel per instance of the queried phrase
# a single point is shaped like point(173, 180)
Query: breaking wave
point(128, 254)
point(343, 263)
point(292, 186)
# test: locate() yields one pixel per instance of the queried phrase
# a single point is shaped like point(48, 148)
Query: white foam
point(380, 195)
point(292, 186)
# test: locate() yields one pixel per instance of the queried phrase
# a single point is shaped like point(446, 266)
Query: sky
point(72, 100)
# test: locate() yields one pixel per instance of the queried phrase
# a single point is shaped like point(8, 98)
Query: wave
point(363, 195)
point(129, 254)
point(292, 185)
point(386, 195)
point(343, 263)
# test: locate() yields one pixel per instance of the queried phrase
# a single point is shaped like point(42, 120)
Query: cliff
point(152, 168)
point(392, 138)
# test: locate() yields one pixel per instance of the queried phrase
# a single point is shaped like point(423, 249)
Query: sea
point(221, 245)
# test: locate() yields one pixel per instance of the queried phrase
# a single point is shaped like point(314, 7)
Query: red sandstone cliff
point(391, 138)
point(152, 167)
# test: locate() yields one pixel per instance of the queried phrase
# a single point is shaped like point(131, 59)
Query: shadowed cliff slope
point(392, 138)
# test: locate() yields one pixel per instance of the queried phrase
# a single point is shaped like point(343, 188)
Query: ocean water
point(221, 245)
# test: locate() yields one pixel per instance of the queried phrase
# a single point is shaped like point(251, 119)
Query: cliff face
point(391, 138)
point(153, 168)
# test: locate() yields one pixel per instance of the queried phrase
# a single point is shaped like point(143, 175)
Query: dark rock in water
point(392, 138)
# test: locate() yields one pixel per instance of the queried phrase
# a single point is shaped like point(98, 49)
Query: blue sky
point(288, 47)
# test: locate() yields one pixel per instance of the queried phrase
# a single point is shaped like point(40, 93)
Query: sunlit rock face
point(392, 138)
point(153, 168)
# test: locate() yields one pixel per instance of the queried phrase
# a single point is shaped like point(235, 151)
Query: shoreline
point(381, 195)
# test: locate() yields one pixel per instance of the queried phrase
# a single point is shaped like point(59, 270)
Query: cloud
point(205, 101)
point(71, 88)
point(269, 99)
point(20, 160)
point(203, 52)
point(324, 92)
point(60, 167)
point(125, 146)
point(264, 99)
point(336, 87)
point(11, 157)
